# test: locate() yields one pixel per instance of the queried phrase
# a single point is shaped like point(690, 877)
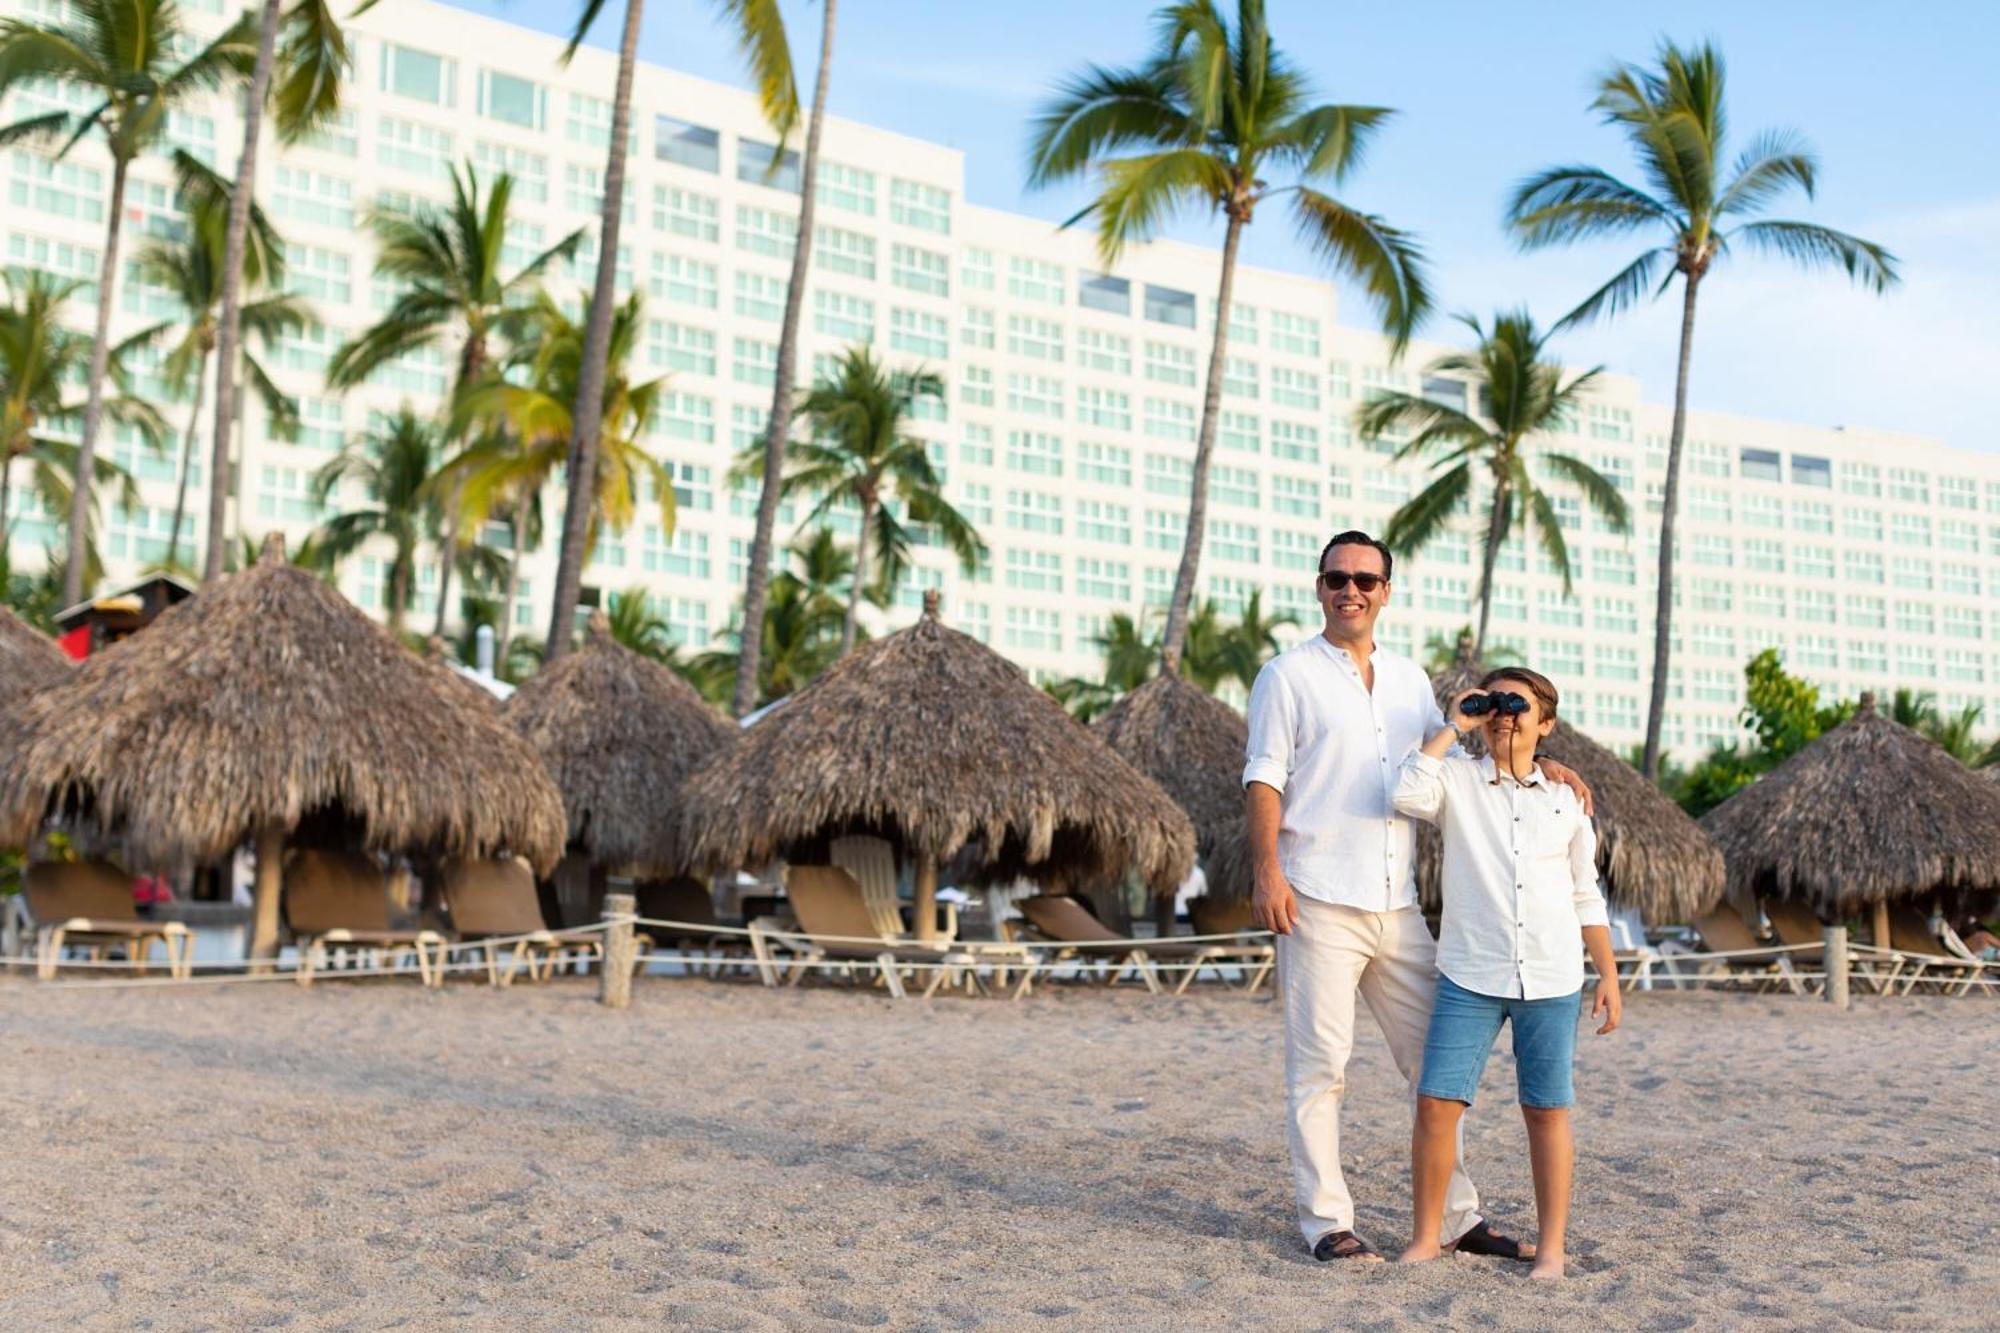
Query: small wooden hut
point(265, 702)
point(937, 744)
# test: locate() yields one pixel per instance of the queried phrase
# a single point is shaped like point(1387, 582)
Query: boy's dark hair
point(1355, 537)
point(1538, 685)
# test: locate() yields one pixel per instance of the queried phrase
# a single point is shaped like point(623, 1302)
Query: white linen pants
point(1391, 959)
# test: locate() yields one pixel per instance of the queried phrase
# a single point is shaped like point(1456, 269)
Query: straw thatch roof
point(1192, 744)
point(29, 659)
point(619, 734)
point(265, 700)
point(1869, 812)
point(1650, 854)
point(930, 739)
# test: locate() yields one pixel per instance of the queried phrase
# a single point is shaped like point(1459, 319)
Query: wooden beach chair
point(1924, 958)
point(872, 862)
point(1063, 921)
point(1208, 915)
point(835, 925)
point(1723, 931)
point(87, 906)
point(494, 907)
point(687, 901)
point(337, 903)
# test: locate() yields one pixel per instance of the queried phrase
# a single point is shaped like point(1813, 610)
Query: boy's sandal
point(1344, 1245)
point(1483, 1239)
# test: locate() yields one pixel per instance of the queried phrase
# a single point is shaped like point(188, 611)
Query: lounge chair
point(1723, 931)
point(1924, 958)
point(1208, 915)
point(87, 905)
point(686, 901)
point(338, 903)
point(1065, 922)
point(872, 862)
point(834, 925)
point(494, 907)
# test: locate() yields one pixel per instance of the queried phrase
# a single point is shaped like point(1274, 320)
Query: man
point(1331, 721)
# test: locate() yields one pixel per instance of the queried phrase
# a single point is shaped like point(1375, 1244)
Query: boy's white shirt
point(1519, 875)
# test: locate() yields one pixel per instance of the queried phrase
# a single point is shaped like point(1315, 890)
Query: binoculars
point(1503, 702)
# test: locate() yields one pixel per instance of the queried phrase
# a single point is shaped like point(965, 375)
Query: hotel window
point(1909, 484)
point(286, 494)
point(321, 424)
point(1339, 380)
point(1293, 550)
point(1240, 486)
point(684, 416)
point(64, 258)
point(1170, 421)
point(1764, 602)
point(1812, 516)
point(1911, 572)
point(1812, 562)
point(1294, 333)
point(759, 163)
point(1110, 464)
point(307, 349)
point(1033, 571)
point(841, 251)
point(976, 389)
point(1340, 483)
point(1761, 510)
point(1715, 641)
point(1709, 460)
point(1764, 553)
point(588, 122)
point(1239, 377)
point(685, 213)
point(1610, 661)
point(920, 333)
point(1444, 391)
point(686, 555)
point(321, 275)
point(583, 192)
point(529, 170)
point(1810, 471)
point(1103, 521)
point(685, 281)
point(1958, 492)
point(1034, 280)
point(336, 135)
point(1711, 595)
point(678, 141)
point(679, 347)
point(1290, 440)
point(975, 269)
point(1169, 475)
point(1165, 305)
point(1035, 452)
point(1242, 322)
point(306, 196)
point(694, 486)
point(1861, 611)
point(192, 134)
point(1510, 602)
point(1101, 291)
point(1168, 364)
point(1616, 615)
point(915, 204)
point(1817, 650)
point(1910, 530)
point(1609, 566)
point(1552, 608)
point(406, 145)
point(1108, 580)
point(1761, 465)
point(1294, 388)
point(1965, 664)
point(1870, 658)
point(1041, 339)
point(419, 75)
point(838, 185)
point(1713, 549)
point(764, 232)
point(1860, 479)
point(977, 330)
point(746, 428)
point(1713, 685)
point(1240, 432)
point(512, 100)
point(1035, 511)
point(1104, 407)
point(1298, 496)
point(1034, 395)
point(1234, 541)
point(1861, 524)
point(1964, 622)
point(1957, 535)
point(1958, 578)
point(419, 371)
point(976, 503)
point(838, 315)
point(1863, 567)
point(753, 361)
point(1165, 531)
point(919, 270)
point(1916, 659)
point(1033, 630)
point(1708, 504)
point(1098, 350)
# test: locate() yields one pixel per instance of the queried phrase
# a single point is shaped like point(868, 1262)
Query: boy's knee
point(1545, 1115)
point(1433, 1112)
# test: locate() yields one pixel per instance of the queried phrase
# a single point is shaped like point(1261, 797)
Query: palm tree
point(306, 51)
point(190, 269)
point(449, 262)
point(1252, 640)
point(1675, 118)
point(1515, 399)
point(1442, 652)
point(635, 625)
point(802, 623)
point(522, 426)
point(1918, 710)
point(1210, 114)
point(40, 361)
point(859, 457)
point(760, 34)
point(125, 54)
point(394, 466)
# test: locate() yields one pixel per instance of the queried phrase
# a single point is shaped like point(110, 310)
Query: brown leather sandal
point(1344, 1245)
point(1483, 1239)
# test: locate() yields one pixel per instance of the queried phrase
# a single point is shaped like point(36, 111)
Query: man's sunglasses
point(1337, 579)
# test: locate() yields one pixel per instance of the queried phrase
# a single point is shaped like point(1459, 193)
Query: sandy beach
point(720, 1156)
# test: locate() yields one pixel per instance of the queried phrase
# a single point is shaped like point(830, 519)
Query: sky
point(1896, 102)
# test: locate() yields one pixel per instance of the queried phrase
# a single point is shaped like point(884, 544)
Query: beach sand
point(721, 1156)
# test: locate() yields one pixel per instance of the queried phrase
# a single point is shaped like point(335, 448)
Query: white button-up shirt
point(1520, 876)
point(1332, 749)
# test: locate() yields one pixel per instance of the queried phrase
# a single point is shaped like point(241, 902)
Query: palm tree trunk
point(81, 493)
point(399, 590)
point(587, 417)
point(187, 462)
point(450, 558)
point(6, 488)
point(1496, 533)
point(1663, 607)
point(513, 584)
point(1175, 637)
point(229, 334)
point(868, 507)
point(756, 589)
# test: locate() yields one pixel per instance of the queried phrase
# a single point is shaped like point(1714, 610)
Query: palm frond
point(1425, 516)
point(1386, 261)
point(1622, 292)
point(1810, 246)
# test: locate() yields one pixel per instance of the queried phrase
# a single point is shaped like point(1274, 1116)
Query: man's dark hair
point(1355, 537)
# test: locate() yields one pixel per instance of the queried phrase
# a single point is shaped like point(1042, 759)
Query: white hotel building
point(1073, 396)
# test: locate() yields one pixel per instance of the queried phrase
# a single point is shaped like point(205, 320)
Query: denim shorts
point(1463, 1026)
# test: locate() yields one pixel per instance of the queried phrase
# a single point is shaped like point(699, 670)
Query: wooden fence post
point(620, 951)
point(1836, 966)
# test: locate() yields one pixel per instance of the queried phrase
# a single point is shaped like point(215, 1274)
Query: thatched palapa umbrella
point(619, 734)
point(1867, 814)
point(1192, 744)
point(1650, 854)
point(29, 659)
point(933, 741)
point(266, 700)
